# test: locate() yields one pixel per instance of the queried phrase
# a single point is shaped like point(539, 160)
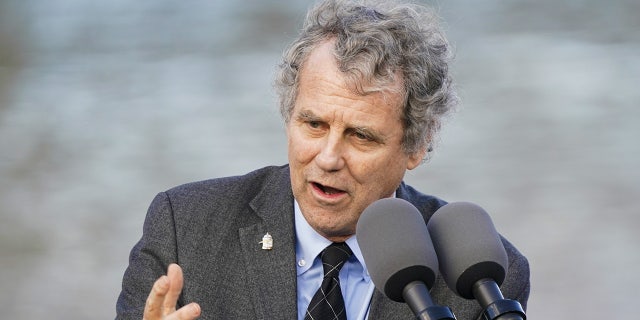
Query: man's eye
point(314, 124)
point(362, 136)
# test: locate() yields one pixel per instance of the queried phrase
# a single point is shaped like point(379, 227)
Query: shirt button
point(301, 263)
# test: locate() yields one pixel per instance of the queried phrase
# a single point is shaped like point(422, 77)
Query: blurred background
point(105, 103)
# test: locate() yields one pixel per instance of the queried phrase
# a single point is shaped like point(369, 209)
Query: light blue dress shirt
point(357, 287)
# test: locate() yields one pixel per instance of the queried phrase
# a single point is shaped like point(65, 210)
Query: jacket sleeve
point(148, 259)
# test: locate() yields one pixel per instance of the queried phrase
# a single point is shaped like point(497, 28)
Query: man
point(363, 90)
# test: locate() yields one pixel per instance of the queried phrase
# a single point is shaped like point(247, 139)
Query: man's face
point(344, 148)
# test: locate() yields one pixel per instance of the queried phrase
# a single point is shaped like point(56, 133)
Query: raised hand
point(161, 303)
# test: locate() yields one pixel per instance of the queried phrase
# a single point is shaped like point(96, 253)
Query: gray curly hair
point(376, 41)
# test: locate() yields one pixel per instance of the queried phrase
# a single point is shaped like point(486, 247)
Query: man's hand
point(161, 303)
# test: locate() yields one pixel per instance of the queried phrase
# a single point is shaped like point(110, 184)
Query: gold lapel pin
point(267, 242)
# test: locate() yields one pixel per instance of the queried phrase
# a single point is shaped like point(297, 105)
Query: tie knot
point(333, 258)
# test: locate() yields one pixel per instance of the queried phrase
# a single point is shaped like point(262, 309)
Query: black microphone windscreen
point(396, 246)
point(468, 246)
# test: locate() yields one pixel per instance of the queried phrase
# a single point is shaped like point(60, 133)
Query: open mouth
point(327, 190)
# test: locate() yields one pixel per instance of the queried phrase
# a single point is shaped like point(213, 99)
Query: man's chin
point(337, 237)
point(336, 233)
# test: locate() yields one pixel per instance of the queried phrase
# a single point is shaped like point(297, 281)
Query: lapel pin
point(267, 242)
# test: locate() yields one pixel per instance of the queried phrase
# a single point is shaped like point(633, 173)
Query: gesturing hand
point(161, 303)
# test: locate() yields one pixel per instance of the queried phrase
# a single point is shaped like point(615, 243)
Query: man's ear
point(416, 158)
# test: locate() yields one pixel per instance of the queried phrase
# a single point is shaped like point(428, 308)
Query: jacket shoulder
point(222, 200)
point(426, 204)
point(228, 188)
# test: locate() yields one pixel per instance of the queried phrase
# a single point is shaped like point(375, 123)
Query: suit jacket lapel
point(272, 273)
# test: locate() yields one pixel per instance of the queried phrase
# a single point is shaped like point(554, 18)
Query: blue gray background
point(105, 103)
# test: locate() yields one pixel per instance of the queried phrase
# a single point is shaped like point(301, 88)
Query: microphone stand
point(496, 307)
point(416, 294)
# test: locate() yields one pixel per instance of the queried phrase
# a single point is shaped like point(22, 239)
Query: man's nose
point(331, 155)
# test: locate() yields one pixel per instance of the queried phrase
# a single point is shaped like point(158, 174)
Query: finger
point(188, 312)
point(174, 274)
point(153, 306)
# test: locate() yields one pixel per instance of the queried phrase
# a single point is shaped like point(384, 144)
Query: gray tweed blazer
point(212, 229)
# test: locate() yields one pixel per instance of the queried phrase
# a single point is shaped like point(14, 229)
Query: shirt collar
point(309, 243)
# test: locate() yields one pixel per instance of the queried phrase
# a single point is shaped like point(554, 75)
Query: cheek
point(379, 174)
point(367, 173)
point(377, 164)
point(300, 150)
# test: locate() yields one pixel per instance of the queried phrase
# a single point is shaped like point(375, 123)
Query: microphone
point(473, 261)
point(399, 255)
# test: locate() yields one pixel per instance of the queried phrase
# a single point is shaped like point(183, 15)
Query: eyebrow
point(307, 115)
point(374, 135)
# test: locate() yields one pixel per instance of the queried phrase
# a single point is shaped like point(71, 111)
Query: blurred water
point(103, 104)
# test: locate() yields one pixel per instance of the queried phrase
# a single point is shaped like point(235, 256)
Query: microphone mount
point(496, 307)
point(416, 295)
